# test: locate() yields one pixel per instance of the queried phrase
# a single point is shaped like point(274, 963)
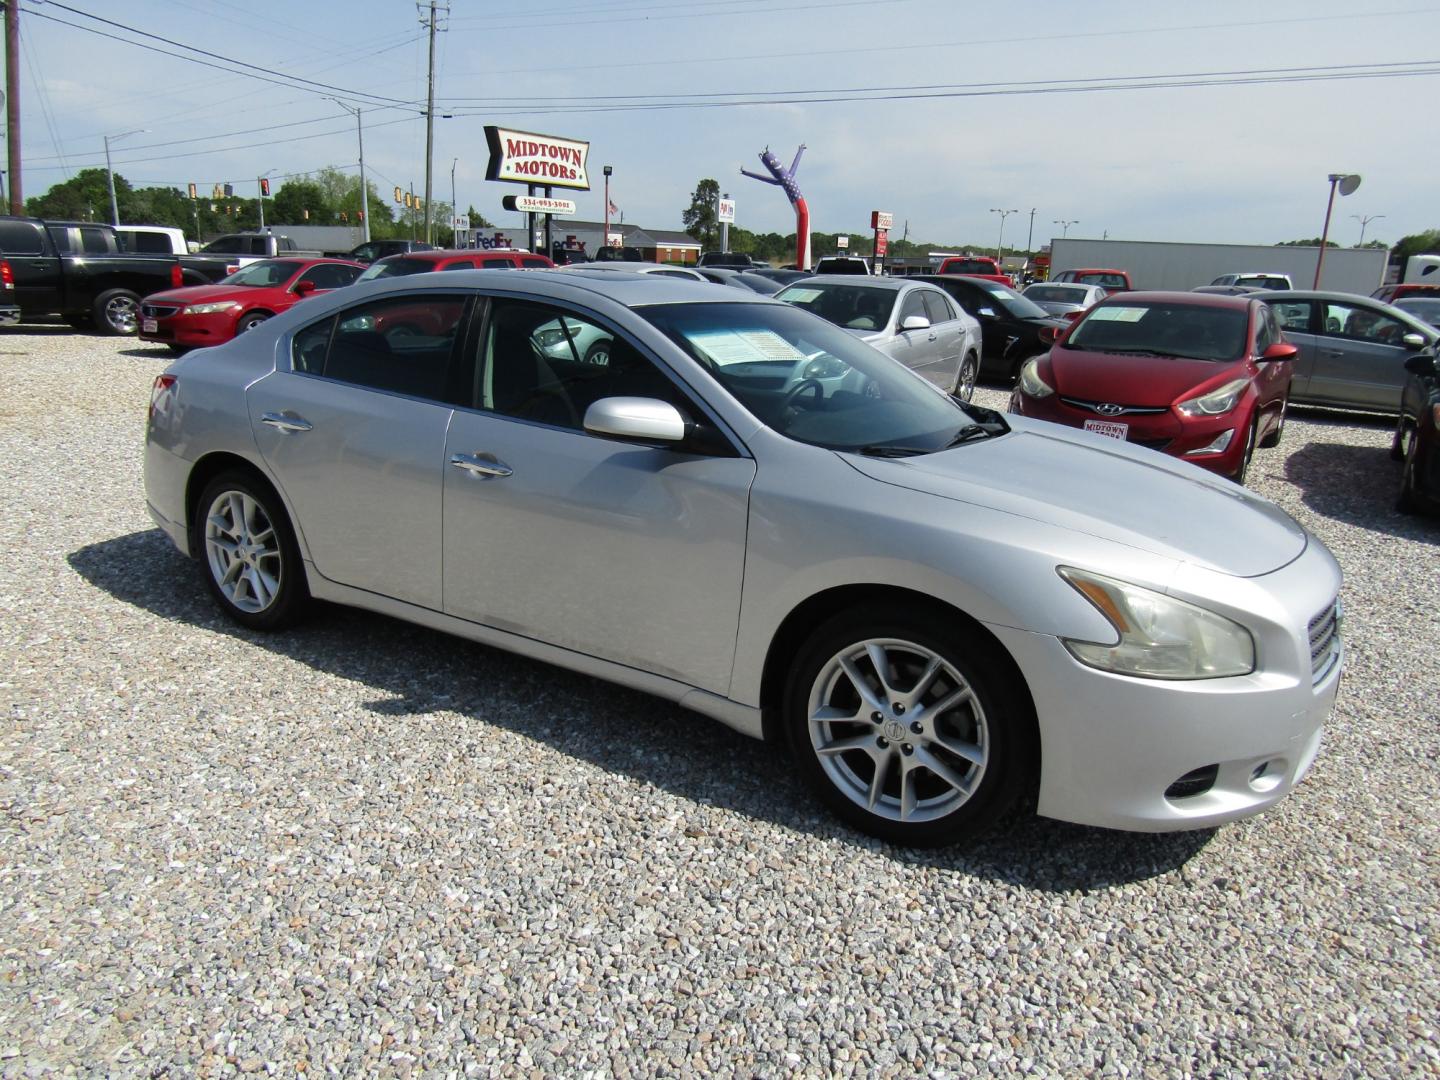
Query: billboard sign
point(881, 219)
point(727, 210)
point(523, 157)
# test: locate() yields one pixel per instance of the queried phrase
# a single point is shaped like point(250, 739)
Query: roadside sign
point(727, 210)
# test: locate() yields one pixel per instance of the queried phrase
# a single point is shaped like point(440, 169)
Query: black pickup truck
point(76, 270)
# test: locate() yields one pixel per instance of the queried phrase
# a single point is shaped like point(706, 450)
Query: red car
point(981, 266)
point(1112, 281)
point(201, 315)
point(1198, 375)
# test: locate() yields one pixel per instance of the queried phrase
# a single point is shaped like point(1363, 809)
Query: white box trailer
point(1159, 265)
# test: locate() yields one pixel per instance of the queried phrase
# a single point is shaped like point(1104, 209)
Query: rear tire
point(964, 387)
point(951, 750)
point(117, 312)
point(249, 554)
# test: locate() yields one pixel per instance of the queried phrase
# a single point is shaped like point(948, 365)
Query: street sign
point(460, 221)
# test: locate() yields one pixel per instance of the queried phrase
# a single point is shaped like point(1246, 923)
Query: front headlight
point(1031, 384)
point(210, 309)
point(1160, 637)
point(1217, 402)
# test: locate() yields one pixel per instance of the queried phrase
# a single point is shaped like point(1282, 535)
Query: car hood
point(1108, 489)
point(1153, 381)
point(206, 294)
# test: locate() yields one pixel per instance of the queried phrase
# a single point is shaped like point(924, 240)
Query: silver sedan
point(1064, 298)
point(918, 325)
point(737, 506)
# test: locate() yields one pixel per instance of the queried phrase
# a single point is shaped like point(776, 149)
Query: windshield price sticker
point(727, 347)
point(1118, 314)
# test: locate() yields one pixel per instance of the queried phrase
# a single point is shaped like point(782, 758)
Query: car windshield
point(1017, 305)
point(855, 307)
point(396, 267)
point(265, 274)
point(1056, 294)
point(814, 383)
point(1163, 329)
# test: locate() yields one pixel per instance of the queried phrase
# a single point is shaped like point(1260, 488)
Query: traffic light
point(305, 214)
point(264, 187)
point(192, 191)
point(398, 194)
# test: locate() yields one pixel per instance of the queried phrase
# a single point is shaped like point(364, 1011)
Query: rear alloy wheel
point(1409, 499)
point(117, 312)
point(909, 736)
point(964, 387)
point(251, 559)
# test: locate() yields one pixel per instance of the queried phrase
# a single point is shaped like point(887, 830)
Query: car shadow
point(153, 352)
point(415, 671)
point(1357, 485)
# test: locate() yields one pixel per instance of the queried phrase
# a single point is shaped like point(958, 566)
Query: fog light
point(1220, 444)
point(1267, 775)
point(1195, 782)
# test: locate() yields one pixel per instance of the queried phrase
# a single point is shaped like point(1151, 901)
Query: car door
point(919, 350)
point(1296, 319)
point(37, 273)
point(352, 425)
point(949, 331)
point(984, 309)
point(629, 552)
point(1359, 358)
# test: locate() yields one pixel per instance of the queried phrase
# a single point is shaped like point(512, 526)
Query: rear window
point(969, 266)
point(147, 242)
point(1188, 331)
point(397, 267)
point(1056, 294)
point(20, 238)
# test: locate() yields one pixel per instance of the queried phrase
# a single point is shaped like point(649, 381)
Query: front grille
point(1195, 782)
point(1325, 641)
point(1125, 410)
point(158, 311)
point(1151, 444)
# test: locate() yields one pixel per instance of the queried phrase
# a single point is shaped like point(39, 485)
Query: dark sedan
point(1010, 325)
point(1417, 437)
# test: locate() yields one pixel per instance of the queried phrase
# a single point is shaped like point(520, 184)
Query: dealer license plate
point(1108, 428)
point(149, 326)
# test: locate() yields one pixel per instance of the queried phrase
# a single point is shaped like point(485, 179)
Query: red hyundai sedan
point(201, 315)
point(1200, 376)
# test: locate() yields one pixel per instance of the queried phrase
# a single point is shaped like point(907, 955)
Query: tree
point(1425, 243)
point(478, 220)
point(294, 199)
point(84, 197)
point(700, 220)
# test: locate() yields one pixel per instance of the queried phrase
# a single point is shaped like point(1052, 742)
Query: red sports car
point(1200, 376)
point(201, 315)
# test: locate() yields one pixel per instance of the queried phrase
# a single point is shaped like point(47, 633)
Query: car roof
point(1093, 270)
point(1345, 298)
point(861, 281)
point(1194, 299)
point(622, 286)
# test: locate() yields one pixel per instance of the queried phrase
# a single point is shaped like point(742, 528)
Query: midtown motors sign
point(523, 157)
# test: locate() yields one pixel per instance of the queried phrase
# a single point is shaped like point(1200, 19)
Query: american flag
point(613, 208)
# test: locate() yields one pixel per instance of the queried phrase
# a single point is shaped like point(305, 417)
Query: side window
point(364, 253)
point(1265, 334)
point(402, 345)
point(1362, 324)
point(94, 240)
point(547, 365)
point(497, 264)
point(460, 264)
point(20, 238)
point(62, 238)
point(533, 263)
point(150, 243)
point(330, 276)
point(226, 245)
point(937, 308)
point(1292, 315)
point(914, 304)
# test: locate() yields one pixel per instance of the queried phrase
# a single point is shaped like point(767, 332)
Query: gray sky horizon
point(1213, 123)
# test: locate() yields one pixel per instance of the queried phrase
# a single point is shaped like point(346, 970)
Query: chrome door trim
point(476, 465)
point(286, 422)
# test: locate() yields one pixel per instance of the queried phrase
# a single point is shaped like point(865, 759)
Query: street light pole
point(1030, 239)
point(1347, 184)
point(454, 210)
point(110, 173)
point(1000, 243)
point(1065, 226)
point(364, 190)
point(605, 240)
point(1364, 221)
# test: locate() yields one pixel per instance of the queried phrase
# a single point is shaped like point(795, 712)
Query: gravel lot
point(366, 848)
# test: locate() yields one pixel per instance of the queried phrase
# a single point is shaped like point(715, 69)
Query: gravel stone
point(366, 848)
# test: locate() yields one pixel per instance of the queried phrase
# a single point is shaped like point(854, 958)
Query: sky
point(938, 111)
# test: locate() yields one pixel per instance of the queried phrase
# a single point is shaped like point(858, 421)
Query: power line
point(293, 82)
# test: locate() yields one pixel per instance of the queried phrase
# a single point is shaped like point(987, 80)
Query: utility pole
point(1030, 239)
point(454, 210)
point(364, 188)
point(430, 126)
point(12, 101)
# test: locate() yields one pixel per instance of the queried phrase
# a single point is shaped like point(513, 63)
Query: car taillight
point(161, 393)
point(1071, 315)
point(7, 276)
point(177, 276)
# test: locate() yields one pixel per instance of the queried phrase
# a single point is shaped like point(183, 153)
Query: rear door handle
point(287, 422)
point(477, 465)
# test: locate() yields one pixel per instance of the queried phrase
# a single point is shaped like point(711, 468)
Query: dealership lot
point(362, 846)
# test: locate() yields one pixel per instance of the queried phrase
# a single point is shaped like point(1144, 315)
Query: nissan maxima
point(742, 508)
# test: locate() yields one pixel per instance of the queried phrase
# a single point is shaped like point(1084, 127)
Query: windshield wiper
point(891, 451)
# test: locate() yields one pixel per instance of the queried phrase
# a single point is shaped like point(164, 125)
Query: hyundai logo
point(1109, 410)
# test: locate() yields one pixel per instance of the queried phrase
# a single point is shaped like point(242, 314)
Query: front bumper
point(1112, 745)
point(194, 331)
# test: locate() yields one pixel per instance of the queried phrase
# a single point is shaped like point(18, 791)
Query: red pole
point(1335, 178)
point(802, 234)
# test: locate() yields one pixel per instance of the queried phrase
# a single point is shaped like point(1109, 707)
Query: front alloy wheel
point(904, 734)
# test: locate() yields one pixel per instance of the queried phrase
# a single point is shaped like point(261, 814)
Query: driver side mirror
point(915, 322)
point(645, 419)
point(986, 313)
point(1422, 364)
point(1413, 340)
point(303, 288)
point(1281, 350)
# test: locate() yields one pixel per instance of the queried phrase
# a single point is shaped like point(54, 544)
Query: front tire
point(250, 321)
point(1273, 439)
point(117, 312)
point(251, 560)
point(1408, 501)
point(1244, 469)
point(915, 736)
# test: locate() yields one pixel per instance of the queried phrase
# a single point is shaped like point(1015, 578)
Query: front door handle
point(287, 422)
point(477, 465)
point(932, 337)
